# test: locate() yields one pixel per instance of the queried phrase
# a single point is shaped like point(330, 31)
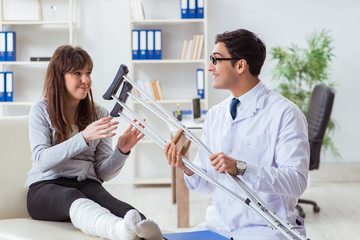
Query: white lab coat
point(270, 134)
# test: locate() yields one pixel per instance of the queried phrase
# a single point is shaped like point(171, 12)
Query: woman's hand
point(129, 139)
point(99, 129)
point(174, 158)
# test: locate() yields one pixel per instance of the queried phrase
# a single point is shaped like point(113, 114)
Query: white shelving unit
point(24, 85)
point(177, 79)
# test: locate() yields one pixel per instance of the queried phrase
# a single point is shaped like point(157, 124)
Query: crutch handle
point(122, 97)
point(119, 78)
point(185, 147)
point(177, 136)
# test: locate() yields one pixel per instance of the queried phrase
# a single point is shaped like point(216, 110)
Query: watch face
point(241, 165)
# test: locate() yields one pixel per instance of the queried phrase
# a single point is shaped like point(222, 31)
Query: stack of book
point(192, 9)
point(192, 48)
point(7, 46)
point(151, 87)
point(6, 86)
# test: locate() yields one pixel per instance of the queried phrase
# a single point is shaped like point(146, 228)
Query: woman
point(72, 155)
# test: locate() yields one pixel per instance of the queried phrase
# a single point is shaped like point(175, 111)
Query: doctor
point(255, 134)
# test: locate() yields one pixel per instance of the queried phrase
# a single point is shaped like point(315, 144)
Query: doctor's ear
point(241, 65)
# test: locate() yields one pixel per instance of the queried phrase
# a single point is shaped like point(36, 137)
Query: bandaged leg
point(95, 220)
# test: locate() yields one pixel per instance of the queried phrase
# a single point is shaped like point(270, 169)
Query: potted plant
point(298, 70)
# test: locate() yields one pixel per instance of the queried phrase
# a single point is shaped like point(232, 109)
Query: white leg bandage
point(95, 220)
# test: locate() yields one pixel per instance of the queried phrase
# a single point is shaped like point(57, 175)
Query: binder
point(158, 44)
point(198, 235)
point(184, 8)
point(192, 8)
point(143, 41)
point(10, 46)
point(135, 44)
point(2, 87)
point(9, 86)
point(2, 46)
point(200, 9)
point(150, 44)
point(200, 82)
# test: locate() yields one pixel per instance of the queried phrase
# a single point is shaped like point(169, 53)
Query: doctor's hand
point(129, 139)
point(223, 163)
point(174, 158)
point(99, 129)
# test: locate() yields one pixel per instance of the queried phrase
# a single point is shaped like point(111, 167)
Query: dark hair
point(64, 60)
point(244, 44)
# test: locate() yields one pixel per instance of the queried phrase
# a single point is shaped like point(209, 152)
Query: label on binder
point(9, 86)
point(158, 44)
point(135, 44)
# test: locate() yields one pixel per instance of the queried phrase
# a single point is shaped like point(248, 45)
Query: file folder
point(200, 9)
point(8, 86)
point(2, 46)
point(200, 82)
point(198, 235)
point(184, 8)
point(150, 44)
point(192, 8)
point(143, 41)
point(158, 44)
point(2, 87)
point(135, 44)
point(10, 46)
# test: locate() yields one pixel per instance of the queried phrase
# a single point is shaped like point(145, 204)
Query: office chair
point(318, 116)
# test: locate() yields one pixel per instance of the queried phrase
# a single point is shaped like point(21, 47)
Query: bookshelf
point(177, 78)
point(35, 38)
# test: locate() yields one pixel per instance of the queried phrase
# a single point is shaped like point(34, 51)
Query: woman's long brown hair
point(64, 60)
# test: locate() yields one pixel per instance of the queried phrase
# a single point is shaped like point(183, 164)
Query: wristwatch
point(241, 167)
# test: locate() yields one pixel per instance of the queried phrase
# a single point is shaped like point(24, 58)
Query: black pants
point(50, 200)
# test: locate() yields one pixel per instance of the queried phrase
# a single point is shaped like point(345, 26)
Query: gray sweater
point(72, 158)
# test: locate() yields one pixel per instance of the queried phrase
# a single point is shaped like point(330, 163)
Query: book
point(198, 235)
point(188, 54)
point(154, 88)
point(137, 10)
point(200, 46)
point(193, 46)
point(158, 87)
point(184, 49)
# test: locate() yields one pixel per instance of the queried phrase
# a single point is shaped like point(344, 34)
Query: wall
point(278, 22)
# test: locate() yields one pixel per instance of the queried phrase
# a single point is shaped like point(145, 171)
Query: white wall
point(103, 31)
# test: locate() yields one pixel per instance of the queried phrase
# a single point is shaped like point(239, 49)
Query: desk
point(180, 192)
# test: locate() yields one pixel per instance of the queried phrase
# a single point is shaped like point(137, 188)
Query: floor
point(335, 187)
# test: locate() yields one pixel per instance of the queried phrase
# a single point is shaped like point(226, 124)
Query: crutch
point(121, 109)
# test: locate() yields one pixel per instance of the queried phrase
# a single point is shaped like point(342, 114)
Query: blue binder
point(2, 46)
point(200, 82)
point(158, 44)
point(143, 42)
point(192, 8)
point(9, 86)
point(135, 45)
point(199, 235)
point(10, 46)
point(150, 53)
point(200, 9)
point(184, 9)
point(2, 87)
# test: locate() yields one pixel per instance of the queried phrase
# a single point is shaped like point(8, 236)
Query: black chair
point(318, 116)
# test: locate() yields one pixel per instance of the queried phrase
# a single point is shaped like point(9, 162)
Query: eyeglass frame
point(215, 59)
